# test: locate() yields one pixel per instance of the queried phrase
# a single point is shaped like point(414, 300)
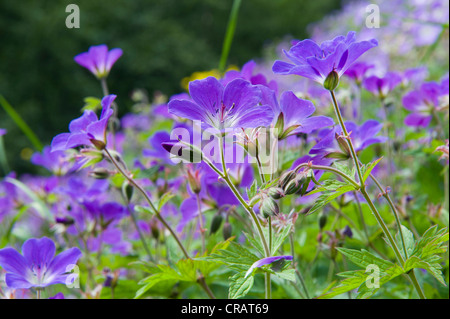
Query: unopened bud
point(269, 207)
point(215, 223)
point(276, 192)
point(322, 221)
point(154, 229)
point(227, 230)
point(100, 173)
point(295, 185)
point(280, 124)
point(194, 181)
point(127, 191)
point(286, 178)
point(100, 145)
point(332, 81)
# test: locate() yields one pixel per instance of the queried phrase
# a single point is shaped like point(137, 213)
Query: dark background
point(163, 41)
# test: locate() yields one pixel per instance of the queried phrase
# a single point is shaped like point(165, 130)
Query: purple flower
point(422, 103)
point(317, 62)
point(382, 86)
point(266, 261)
point(233, 106)
point(37, 266)
point(358, 71)
point(59, 295)
point(2, 131)
point(57, 162)
point(332, 144)
point(296, 113)
point(98, 59)
point(87, 129)
point(158, 151)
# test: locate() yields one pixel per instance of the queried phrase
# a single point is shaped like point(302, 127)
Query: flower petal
point(207, 93)
point(39, 251)
point(12, 261)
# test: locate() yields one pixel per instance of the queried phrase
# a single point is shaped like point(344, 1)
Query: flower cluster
point(251, 152)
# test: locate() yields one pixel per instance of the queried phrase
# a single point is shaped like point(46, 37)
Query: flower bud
point(322, 221)
point(194, 181)
point(154, 229)
point(100, 173)
point(276, 192)
point(127, 191)
point(215, 223)
point(332, 81)
point(100, 145)
point(269, 207)
point(295, 185)
point(66, 221)
point(347, 231)
point(280, 124)
point(286, 178)
point(226, 231)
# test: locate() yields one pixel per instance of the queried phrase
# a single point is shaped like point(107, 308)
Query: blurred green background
point(163, 41)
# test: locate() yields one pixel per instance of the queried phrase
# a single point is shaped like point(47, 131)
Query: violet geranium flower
point(358, 71)
point(87, 129)
point(266, 261)
point(422, 103)
point(318, 62)
point(332, 144)
point(294, 113)
point(382, 86)
point(98, 59)
point(37, 266)
point(234, 106)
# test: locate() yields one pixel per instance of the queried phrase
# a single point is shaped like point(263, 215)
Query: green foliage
point(424, 254)
point(185, 270)
point(330, 189)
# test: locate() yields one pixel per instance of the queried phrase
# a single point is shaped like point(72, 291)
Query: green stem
point(329, 169)
point(374, 210)
point(226, 178)
point(231, 27)
point(261, 174)
point(3, 160)
point(21, 124)
point(149, 201)
point(141, 235)
point(200, 220)
point(347, 137)
point(268, 285)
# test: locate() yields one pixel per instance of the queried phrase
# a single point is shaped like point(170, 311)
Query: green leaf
point(286, 274)
point(408, 237)
point(434, 268)
point(184, 270)
point(344, 168)
point(328, 196)
point(367, 169)
point(251, 192)
point(364, 259)
point(143, 209)
point(240, 285)
point(236, 257)
point(279, 238)
point(91, 103)
point(164, 199)
point(32, 137)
